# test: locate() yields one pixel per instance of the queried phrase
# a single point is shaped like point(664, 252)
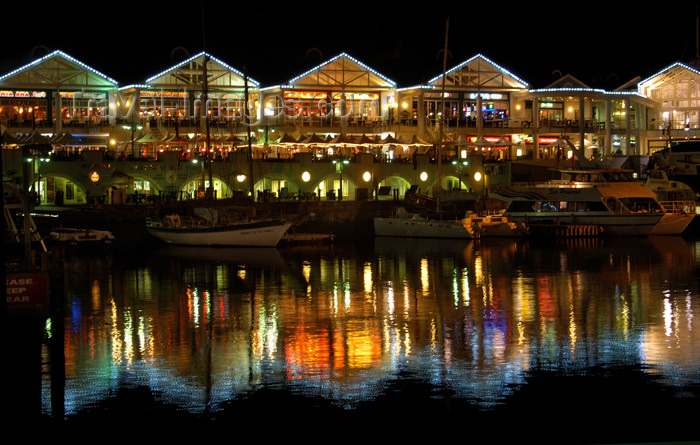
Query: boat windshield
point(618, 176)
point(556, 206)
point(596, 176)
point(641, 205)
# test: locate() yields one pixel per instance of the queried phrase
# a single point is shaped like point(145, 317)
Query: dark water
point(589, 341)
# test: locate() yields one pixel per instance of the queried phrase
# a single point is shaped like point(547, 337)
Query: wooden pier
point(566, 230)
point(295, 238)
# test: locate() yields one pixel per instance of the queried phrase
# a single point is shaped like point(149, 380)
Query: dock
point(565, 230)
point(295, 238)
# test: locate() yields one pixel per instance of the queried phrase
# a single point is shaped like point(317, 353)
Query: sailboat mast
point(250, 143)
point(444, 115)
point(209, 192)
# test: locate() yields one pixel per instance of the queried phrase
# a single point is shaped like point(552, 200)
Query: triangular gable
point(56, 70)
point(568, 81)
point(664, 76)
point(189, 73)
point(342, 71)
point(479, 72)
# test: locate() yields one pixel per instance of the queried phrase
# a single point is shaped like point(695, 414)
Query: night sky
point(602, 45)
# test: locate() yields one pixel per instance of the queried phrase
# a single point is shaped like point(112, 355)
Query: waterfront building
point(675, 115)
point(340, 130)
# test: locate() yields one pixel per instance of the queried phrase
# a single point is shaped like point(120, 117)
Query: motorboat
point(496, 225)
point(675, 220)
point(667, 189)
point(81, 238)
point(682, 161)
point(472, 226)
point(677, 199)
point(173, 229)
point(609, 199)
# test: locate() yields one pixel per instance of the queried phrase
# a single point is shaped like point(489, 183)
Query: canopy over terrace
point(9, 139)
point(493, 147)
point(342, 145)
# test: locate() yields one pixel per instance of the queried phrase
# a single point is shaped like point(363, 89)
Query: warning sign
point(27, 289)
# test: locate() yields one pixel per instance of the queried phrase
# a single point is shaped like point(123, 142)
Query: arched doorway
point(275, 188)
point(454, 183)
point(393, 186)
point(336, 186)
point(59, 190)
point(196, 188)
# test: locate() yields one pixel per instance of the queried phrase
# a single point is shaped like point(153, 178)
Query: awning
point(34, 138)
point(8, 139)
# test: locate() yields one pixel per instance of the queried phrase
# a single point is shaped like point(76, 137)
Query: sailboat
point(206, 228)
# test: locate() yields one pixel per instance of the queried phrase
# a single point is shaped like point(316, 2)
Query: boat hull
point(261, 234)
point(74, 238)
point(467, 228)
point(611, 224)
point(416, 228)
point(673, 224)
point(621, 207)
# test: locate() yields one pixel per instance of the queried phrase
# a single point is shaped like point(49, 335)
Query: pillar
point(582, 124)
point(628, 124)
point(535, 129)
point(642, 147)
point(58, 121)
point(479, 117)
point(421, 113)
point(608, 129)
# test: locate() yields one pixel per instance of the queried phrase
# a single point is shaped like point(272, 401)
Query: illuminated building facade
point(338, 131)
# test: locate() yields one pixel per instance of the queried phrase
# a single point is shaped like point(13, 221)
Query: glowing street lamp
point(459, 166)
point(339, 164)
point(133, 127)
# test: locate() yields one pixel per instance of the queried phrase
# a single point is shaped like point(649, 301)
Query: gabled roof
point(56, 70)
point(479, 72)
point(189, 73)
point(567, 81)
point(664, 76)
point(342, 71)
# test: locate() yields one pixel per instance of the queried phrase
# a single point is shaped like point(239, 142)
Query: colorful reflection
point(201, 326)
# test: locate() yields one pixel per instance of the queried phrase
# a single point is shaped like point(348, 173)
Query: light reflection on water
point(202, 327)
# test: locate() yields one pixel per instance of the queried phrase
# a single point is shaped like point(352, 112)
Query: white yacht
point(667, 189)
point(609, 199)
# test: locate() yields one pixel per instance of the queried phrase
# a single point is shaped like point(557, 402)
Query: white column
point(607, 150)
point(421, 113)
point(582, 124)
point(628, 124)
point(535, 128)
point(479, 117)
point(57, 113)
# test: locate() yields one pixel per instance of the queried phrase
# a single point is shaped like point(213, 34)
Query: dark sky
point(604, 45)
